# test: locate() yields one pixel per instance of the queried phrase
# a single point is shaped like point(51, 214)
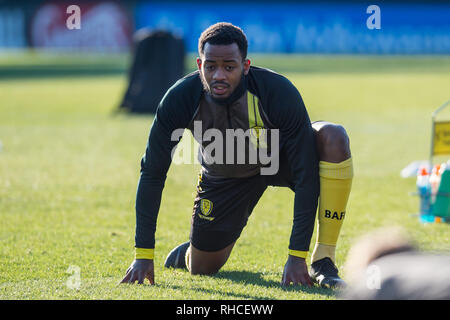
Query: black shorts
point(223, 205)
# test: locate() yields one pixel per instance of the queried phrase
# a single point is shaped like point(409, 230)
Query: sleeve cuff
point(300, 254)
point(141, 253)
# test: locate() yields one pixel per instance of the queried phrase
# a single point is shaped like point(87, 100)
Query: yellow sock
point(335, 186)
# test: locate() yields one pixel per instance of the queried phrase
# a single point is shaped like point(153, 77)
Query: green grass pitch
point(69, 169)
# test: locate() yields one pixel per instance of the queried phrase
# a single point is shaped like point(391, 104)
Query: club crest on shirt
point(258, 136)
point(257, 132)
point(206, 206)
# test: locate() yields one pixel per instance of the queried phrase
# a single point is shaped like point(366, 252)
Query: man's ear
point(247, 63)
point(199, 63)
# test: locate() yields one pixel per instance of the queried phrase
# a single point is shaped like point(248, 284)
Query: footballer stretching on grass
point(314, 161)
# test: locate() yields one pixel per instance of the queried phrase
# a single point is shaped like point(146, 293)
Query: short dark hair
point(223, 33)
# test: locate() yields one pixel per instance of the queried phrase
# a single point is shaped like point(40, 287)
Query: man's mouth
point(220, 89)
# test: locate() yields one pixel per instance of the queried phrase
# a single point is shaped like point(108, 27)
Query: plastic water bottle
point(435, 180)
point(424, 190)
point(441, 206)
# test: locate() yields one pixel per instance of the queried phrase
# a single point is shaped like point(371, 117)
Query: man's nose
point(219, 74)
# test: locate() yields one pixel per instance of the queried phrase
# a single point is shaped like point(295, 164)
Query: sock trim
point(339, 170)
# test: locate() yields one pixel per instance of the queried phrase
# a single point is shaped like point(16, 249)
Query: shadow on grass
point(231, 295)
point(250, 278)
point(44, 66)
point(256, 278)
point(58, 70)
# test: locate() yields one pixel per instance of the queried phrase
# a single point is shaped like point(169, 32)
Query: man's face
point(221, 68)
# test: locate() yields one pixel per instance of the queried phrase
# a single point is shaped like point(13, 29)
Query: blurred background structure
point(158, 61)
point(289, 27)
point(407, 27)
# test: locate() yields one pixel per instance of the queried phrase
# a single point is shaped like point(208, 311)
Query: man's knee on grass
point(206, 263)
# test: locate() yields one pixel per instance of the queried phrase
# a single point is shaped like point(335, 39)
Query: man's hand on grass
point(139, 270)
point(296, 272)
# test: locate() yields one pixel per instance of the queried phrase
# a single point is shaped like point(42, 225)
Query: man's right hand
point(139, 270)
point(296, 272)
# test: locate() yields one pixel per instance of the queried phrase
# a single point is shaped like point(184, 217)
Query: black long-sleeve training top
point(269, 98)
